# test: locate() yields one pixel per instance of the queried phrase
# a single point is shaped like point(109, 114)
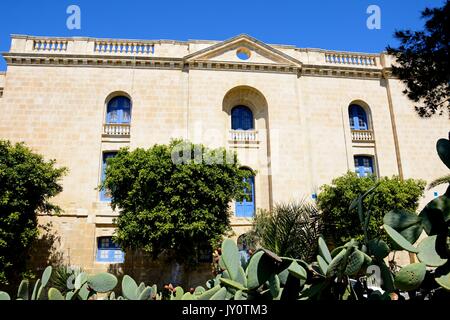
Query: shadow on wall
point(44, 251)
point(140, 266)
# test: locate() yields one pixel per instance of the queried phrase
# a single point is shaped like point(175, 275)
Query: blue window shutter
point(364, 166)
point(106, 156)
point(241, 118)
point(118, 110)
point(357, 117)
point(108, 251)
point(246, 208)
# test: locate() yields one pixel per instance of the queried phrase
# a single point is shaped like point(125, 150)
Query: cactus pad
point(46, 276)
point(410, 277)
point(443, 150)
point(55, 294)
point(231, 258)
point(323, 251)
point(378, 248)
point(102, 282)
point(399, 240)
point(354, 262)
point(129, 288)
point(427, 252)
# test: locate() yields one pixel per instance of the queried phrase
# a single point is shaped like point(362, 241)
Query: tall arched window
point(246, 207)
point(241, 118)
point(357, 117)
point(118, 110)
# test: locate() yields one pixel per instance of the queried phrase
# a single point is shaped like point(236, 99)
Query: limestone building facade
point(299, 117)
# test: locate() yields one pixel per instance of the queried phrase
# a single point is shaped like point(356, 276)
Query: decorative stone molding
point(340, 72)
point(92, 61)
point(242, 67)
point(106, 53)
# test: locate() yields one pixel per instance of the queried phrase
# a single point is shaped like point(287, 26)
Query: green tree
point(423, 58)
point(340, 224)
point(27, 182)
point(172, 207)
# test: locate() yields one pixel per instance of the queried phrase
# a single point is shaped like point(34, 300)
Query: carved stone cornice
point(340, 71)
point(104, 61)
point(242, 67)
point(110, 61)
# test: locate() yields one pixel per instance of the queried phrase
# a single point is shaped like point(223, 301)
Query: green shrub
point(334, 200)
point(27, 182)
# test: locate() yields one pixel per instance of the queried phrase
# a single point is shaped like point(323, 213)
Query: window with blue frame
point(242, 118)
point(108, 251)
point(246, 207)
point(364, 166)
point(357, 117)
point(104, 194)
point(118, 110)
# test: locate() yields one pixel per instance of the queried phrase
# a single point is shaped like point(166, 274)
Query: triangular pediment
point(257, 52)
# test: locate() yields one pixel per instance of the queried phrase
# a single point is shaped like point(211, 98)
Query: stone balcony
point(243, 139)
point(362, 136)
point(250, 136)
point(116, 129)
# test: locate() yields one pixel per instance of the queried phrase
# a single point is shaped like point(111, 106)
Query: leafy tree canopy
point(174, 197)
point(334, 201)
point(27, 182)
point(423, 58)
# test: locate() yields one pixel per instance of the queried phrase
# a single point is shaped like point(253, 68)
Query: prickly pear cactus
point(102, 282)
point(404, 228)
point(410, 277)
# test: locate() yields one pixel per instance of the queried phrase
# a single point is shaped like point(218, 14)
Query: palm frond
point(439, 181)
point(291, 229)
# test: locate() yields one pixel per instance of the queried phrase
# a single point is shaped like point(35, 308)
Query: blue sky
point(328, 24)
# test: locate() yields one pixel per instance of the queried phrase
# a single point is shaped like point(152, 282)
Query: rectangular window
point(204, 254)
point(108, 251)
point(104, 194)
point(364, 166)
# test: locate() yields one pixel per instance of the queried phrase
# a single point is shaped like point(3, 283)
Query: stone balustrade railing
point(351, 59)
point(362, 135)
point(124, 47)
point(49, 45)
point(244, 135)
point(116, 129)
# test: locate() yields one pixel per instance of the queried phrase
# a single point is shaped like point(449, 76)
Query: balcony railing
point(351, 59)
point(124, 47)
point(49, 45)
point(244, 135)
point(362, 135)
point(116, 129)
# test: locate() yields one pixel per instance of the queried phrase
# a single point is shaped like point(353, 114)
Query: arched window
point(241, 118)
point(364, 166)
point(357, 117)
point(246, 207)
point(118, 110)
